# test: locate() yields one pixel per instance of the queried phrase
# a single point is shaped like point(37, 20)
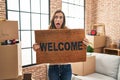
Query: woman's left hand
point(86, 42)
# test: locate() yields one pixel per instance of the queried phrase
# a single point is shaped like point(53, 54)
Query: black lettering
point(73, 45)
point(60, 46)
point(79, 45)
point(67, 46)
point(49, 46)
point(43, 46)
point(55, 49)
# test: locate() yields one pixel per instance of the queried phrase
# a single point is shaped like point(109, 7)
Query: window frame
point(30, 31)
point(72, 17)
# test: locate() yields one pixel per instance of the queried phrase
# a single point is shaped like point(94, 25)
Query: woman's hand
point(36, 47)
point(86, 42)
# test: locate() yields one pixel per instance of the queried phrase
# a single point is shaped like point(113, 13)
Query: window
point(74, 12)
point(31, 15)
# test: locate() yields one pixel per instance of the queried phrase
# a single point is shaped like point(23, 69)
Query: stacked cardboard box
point(97, 42)
point(10, 54)
point(84, 68)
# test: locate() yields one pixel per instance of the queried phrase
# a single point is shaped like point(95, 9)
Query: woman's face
point(58, 20)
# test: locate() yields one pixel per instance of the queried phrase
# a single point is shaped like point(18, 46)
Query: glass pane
point(82, 2)
point(44, 6)
point(65, 8)
point(26, 56)
point(71, 1)
point(79, 12)
point(65, 0)
point(77, 2)
point(26, 39)
point(44, 22)
point(34, 56)
point(25, 21)
point(71, 23)
point(11, 6)
point(71, 10)
point(25, 5)
point(33, 52)
point(78, 23)
point(35, 21)
point(35, 6)
point(33, 37)
point(13, 16)
point(81, 22)
point(67, 20)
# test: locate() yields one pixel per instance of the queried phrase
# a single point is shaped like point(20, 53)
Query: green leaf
point(90, 49)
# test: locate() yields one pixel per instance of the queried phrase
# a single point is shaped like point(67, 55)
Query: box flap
point(8, 30)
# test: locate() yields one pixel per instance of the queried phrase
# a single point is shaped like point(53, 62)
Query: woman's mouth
point(57, 23)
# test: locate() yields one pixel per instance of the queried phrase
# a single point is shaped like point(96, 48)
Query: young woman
point(58, 71)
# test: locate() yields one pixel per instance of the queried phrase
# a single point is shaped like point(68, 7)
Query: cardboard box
point(60, 46)
point(96, 41)
point(10, 55)
point(18, 78)
point(84, 68)
point(10, 61)
point(8, 30)
point(98, 50)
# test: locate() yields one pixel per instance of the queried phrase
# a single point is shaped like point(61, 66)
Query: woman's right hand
point(36, 47)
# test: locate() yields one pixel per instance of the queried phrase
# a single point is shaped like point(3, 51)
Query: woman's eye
point(61, 17)
point(56, 17)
